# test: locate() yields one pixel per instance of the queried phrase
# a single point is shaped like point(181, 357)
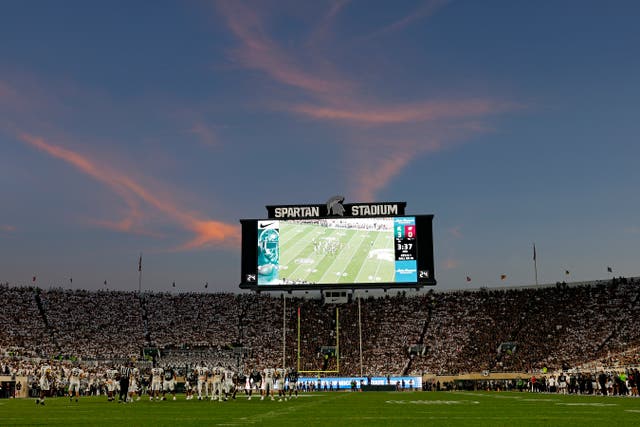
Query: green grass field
point(319, 254)
point(337, 409)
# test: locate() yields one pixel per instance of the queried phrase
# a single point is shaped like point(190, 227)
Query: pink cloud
point(7, 228)
point(633, 230)
point(22, 96)
point(450, 264)
point(380, 170)
point(334, 99)
point(11, 100)
point(5, 91)
point(205, 134)
point(426, 9)
point(417, 112)
point(378, 157)
point(207, 232)
point(456, 231)
point(322, 33)
point(259, 51)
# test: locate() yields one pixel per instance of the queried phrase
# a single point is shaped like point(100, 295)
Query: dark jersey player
point(292, 380)
point(256, 380)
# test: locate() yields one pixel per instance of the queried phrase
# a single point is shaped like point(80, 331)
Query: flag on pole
point(468, 279)
point(503, 276)
point(105, 283)
point(174, 284)
point(70, 279)
point(34, 278)
point(140, 263)
point(206, 285)
point(609, 269)
point(566, 272)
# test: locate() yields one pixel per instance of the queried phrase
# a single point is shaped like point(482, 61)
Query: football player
point(134, 380)
point(217, 379)
point(189, 381)
point(169, 383)
point(267, 383)
point(112, 377)
point(230, 379)
point(279, 384)
point(255, 379)
point(46, 377)
point(201, 371)
point(156, 382)
point(74, 382)
point(292, 379)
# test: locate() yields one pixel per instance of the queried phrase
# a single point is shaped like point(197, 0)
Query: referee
point(125, 373)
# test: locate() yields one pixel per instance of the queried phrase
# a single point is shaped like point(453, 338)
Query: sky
point(154, 127)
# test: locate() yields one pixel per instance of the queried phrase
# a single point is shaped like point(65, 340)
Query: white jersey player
point(46, 378)
point(248, 382)
point(111, 376)
point(156, 382)
point(278, 384)
point(267, 382)
point(74, 382)
point(229, 385)
point(134, 384)
point(217, 378)
point(229, 381)
point(202, 371)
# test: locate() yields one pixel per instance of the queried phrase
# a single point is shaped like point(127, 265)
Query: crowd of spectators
point(94, 325)
point(549, 327)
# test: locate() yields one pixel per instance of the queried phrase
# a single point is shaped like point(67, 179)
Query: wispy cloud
point(456, 231)
point(418, 112)
point(259, 51)
point(332, 98)
point(207, 232)
point(322, 32)
point(7, 228)
point(22, 96)
point(450, 263)
point(424, 10)
point(632, 230)
point(10, 98)
point(205, 134)
point(383, 166)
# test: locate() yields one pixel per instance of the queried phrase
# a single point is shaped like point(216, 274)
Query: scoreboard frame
point(424, 256)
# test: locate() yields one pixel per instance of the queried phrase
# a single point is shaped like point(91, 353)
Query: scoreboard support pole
point(284, 331)
point(298, 365)
point(360, 331)
point(337, 339)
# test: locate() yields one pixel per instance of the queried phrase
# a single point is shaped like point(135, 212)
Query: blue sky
point(130, 127)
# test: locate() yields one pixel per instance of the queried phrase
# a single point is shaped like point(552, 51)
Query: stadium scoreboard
point(336, 245)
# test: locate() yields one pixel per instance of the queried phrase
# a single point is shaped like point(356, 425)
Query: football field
point(317, 254)
point(338, 409)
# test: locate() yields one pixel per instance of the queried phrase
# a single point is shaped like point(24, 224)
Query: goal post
point(337, 348)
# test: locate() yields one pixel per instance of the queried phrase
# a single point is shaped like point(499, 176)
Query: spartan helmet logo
point(334, 206)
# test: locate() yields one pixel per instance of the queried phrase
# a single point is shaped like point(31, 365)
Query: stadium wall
point(10, 379)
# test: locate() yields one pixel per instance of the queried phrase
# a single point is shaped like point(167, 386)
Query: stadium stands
point(552, 327)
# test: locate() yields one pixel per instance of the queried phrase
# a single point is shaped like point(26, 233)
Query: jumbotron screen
point(338, 252)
